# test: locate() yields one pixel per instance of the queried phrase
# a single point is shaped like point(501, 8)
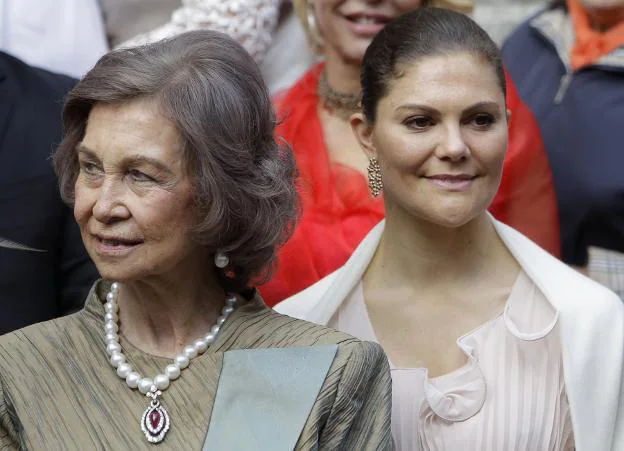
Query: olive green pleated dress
point(59, 392)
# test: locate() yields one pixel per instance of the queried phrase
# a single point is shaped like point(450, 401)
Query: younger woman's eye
point(419, 122)
point(483, 120)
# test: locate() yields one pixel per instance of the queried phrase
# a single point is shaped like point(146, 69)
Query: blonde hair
point(314, 36)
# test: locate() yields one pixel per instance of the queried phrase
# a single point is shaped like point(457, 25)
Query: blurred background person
point(494, 344)
point(64, 36)
point(251, 22)
point(44, 269)
point(568, 64)
point(338, 210)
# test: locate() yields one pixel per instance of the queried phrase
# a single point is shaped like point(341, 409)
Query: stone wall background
point(500, 17)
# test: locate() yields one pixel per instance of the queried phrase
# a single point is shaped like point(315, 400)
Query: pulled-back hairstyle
point(416, 35)
point(212, 90)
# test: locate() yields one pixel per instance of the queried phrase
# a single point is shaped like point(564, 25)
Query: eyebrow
point(432, 111)
point(129, 160)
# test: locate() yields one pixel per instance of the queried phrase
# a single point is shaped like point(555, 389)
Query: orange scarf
point(591, 45)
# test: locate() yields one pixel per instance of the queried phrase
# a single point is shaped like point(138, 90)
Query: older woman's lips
point(114, 246)
point(451, 182)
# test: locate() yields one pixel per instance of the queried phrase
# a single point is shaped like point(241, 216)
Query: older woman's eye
point(419, 122)
point(140, 176)
point(482, 120)
point(89, 168)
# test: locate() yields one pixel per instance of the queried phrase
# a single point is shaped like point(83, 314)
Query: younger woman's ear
point(508, 115)
point(363, 132)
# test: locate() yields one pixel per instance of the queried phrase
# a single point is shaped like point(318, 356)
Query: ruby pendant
point(155, 422)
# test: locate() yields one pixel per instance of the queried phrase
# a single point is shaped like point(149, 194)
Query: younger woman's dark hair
point(416, 35)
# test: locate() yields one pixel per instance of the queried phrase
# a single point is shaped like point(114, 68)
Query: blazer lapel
point(348, 277)
point(591, 323)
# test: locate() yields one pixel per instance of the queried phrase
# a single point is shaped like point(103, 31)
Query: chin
point(354, 53)
point(452, 218)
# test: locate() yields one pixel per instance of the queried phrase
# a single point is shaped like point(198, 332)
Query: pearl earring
point(221, 260)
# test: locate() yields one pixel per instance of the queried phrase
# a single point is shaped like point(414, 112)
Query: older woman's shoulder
point(45, 338)
point(257, 326)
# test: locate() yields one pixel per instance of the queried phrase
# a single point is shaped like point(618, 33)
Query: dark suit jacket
point(35, 286)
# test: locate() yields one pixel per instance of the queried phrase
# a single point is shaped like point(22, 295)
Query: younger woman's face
point(440, 136)
point(349, 26)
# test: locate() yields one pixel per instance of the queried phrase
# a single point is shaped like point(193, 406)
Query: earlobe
point(363, 132)
point(508, 115)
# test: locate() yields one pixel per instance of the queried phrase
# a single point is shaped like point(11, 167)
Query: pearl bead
point(117, 359)
point(145, 385)
point(200, 346)
point(221, 260)
point(111, 317)
point(113, 347)
point(161, 381)
point(182, 361)
point(190, 352)
point(133, 379)
point(172, 371)
point(123, 370)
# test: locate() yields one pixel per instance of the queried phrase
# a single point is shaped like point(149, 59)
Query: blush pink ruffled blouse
point(509, 396)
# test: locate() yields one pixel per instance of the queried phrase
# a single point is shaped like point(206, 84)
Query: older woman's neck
point(161, 316)
point(342, 76)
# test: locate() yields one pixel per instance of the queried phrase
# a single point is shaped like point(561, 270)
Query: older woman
point(182, 195)
point(494, 344)
point(337, 208)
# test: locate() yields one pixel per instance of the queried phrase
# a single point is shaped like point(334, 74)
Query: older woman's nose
point(109, 204)
point(452, 144)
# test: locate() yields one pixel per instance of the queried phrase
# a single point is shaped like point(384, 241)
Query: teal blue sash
point(265, 397)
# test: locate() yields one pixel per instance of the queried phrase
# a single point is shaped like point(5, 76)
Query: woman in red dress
point(338, 210)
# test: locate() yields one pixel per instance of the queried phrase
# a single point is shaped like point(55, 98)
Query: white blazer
point(591, 320)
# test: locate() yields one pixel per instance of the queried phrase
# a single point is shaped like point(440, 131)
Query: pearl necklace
point(155, 421)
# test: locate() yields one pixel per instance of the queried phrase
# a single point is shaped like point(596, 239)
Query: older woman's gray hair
point(211, 89)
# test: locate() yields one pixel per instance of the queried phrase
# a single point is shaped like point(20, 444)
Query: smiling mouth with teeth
point(117, 243)
point(367, 20)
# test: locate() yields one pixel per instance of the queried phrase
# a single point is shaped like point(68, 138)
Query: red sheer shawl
point(338, 210)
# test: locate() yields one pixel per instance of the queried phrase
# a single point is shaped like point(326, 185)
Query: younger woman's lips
point(452, 183)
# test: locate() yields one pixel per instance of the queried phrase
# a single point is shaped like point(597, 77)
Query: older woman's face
point(133, 199)
point(349, 26)
point(440, 136)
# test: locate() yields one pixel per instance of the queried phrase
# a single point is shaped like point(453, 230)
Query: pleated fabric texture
point(509, 396)
point(58, 391)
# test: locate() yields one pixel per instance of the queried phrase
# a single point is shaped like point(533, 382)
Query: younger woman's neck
point(342, 76)
point(416, 251)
